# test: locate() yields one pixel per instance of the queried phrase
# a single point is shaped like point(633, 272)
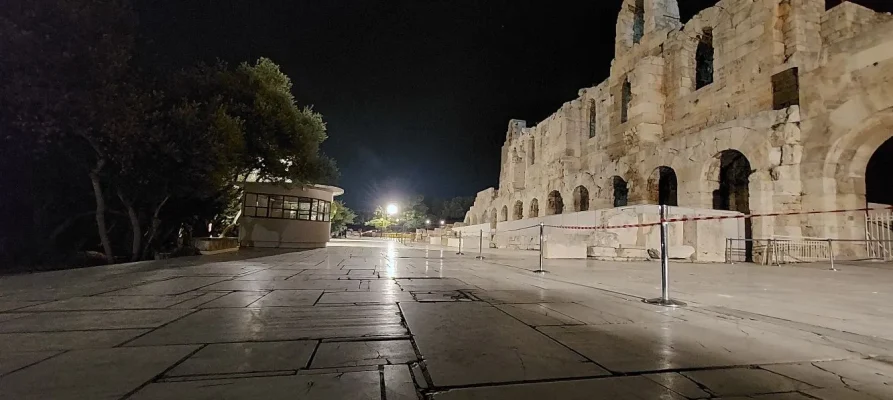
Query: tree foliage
point(341, 217)
point(87, 133)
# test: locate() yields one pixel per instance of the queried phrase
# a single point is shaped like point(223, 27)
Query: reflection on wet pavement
point(378, 320)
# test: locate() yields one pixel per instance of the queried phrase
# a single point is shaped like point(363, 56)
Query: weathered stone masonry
point(751, 106)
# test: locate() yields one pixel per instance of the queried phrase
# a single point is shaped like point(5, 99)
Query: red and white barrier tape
point(683, 219)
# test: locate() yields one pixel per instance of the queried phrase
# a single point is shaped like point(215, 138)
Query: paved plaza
point(379, 320)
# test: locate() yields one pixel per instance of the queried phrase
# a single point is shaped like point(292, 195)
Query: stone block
point(565, 250)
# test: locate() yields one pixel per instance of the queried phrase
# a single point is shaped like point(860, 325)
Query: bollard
point(541, 270)
point(665, 299)
point(460, 253)
point(831, 255)
point(481, 247)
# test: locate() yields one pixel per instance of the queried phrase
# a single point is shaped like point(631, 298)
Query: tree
point(415, 214)
point(65, 70)
point(341, 217)
point(137, 140)
point(380, 220)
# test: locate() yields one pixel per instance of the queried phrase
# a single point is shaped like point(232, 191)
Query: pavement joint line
point(313, 354)
point(361, 339)
point(809, 328)
point(157, 328)
point(381, 386)
point(423, 367)
point(133, 286)
point(226, 376)
point(59, 353)
point(553, 339)
point(82, 330)
point(440, 389)
point(162, 373)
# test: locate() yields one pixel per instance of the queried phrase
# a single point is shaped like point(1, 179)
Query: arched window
point(581, 199)
point(621, 192)
point(504, 216)
point(626, 97)
point(704, 60)
point(592, 119)
point(518, 212)
point(493, 217)
point(639, 21)
point(534, 209)
point(556, 204)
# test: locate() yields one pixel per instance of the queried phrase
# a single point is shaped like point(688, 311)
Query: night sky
point(417, 94)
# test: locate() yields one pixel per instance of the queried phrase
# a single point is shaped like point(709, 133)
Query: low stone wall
point(211, 245)
point(702, 241)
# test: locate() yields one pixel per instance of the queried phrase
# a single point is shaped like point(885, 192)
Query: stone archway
point(581, 199)
point(842, 183)
point(556, 204)
point(733, 191)
point(485, 217)
point(504, 215)
point(493, 218)
point(663, 187)
point(518, 210)
point(534, 209)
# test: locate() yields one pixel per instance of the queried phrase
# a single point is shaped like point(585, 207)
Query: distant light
point(442, 222)
point(427, 221)
point(392, 209)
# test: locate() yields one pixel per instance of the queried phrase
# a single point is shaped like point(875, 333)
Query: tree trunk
point(153, 229)
point(100, 212)
point(135, 230)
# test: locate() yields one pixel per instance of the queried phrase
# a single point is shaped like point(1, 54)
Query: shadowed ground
point(377, 320)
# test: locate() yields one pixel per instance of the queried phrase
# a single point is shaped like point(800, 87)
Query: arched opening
point(733, 193)
point(592, 119)
point(485, 218)
point(621, 192)
point(518, 211)
point(878, 189)
point(704, 59)
point(626, 97)
point(556, 204)
point(504, 215)
point(581, 199)
point(534, 209)
point(493, 217)
point(639, 21)
point(662, 186)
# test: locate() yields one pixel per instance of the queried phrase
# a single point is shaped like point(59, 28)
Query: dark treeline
point(101, 156)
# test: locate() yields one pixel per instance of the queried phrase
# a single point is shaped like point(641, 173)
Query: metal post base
point(479, 257)
point(665, 303)
point(541, 271)
point(460, 254)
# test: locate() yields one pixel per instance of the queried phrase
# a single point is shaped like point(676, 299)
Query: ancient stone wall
point(804, 95)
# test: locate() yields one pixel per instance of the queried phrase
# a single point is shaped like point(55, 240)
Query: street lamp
point(427, 221)
point(442, 222)
point(391, 209)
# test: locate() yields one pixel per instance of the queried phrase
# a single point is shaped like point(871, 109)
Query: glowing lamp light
point(427, 221)
point(392, 209)
point(442, 222)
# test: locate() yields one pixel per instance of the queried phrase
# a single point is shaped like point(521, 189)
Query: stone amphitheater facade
point(751, 106)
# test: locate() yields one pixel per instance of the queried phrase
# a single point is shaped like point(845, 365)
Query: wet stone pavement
point(376, 320)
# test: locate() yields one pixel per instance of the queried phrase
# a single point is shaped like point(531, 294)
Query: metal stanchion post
point(481, 247)
point(831, 255)
point(460, 253)
point(541, 270)
point(665, 299)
